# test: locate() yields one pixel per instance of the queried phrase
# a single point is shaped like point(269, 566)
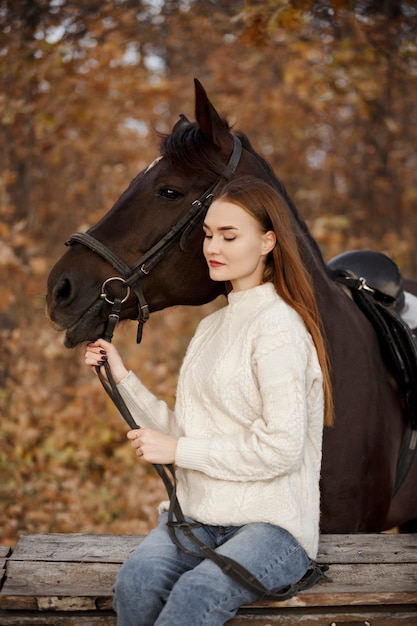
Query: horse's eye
point(170, 194)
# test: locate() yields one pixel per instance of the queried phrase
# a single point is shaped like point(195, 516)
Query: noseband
point(131, 275)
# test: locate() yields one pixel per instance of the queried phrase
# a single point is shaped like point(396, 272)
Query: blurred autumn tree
point(326, 91)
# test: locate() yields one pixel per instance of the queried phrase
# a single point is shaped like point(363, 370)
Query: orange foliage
point(327, 96)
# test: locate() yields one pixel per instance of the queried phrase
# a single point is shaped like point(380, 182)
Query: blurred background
point(326, 90)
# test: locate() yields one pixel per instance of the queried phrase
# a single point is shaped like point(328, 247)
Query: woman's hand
point(100, 351)
point(153, 446)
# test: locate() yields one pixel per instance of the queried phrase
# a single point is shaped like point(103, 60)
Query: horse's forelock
point(191, 153)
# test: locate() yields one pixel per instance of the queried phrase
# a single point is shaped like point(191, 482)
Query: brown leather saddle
point(376, 286)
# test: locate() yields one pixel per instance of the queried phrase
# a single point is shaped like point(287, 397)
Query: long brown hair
point(284, 266)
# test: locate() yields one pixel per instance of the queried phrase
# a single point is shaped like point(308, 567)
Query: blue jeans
point(160, 585)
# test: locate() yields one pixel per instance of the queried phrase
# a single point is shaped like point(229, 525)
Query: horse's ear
point(209, 121)
point(182, 122)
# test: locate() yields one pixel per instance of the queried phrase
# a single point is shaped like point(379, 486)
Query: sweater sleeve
point(146, 409)
point(275, 442)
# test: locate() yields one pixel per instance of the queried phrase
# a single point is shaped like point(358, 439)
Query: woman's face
point(235, 247)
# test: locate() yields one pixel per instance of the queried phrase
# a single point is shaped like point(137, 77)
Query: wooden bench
point(66, 580)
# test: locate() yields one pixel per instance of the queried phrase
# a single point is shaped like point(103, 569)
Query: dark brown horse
point(361, 450)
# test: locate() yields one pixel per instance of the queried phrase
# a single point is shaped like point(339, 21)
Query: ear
point(213, 127)
point(181, 123)
point(269, 241)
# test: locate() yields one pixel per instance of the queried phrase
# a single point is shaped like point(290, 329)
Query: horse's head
point(194, 157)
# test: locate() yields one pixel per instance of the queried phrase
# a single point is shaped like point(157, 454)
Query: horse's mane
point(191, 153)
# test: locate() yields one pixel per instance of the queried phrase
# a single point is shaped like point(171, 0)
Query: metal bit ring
point(103, 294)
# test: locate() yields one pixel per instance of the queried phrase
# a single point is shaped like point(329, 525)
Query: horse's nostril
point(62, 291)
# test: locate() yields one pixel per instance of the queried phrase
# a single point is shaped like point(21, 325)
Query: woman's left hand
point(153, 446)
point(99, 351)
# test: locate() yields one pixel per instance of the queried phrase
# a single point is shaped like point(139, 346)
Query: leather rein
point(131, 275)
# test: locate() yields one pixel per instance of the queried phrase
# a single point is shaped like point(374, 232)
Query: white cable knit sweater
point(249, 418)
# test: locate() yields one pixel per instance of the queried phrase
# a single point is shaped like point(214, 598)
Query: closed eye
point(207, 236)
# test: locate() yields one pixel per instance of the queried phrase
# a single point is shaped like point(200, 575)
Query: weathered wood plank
point(36, 585)
point(39, 586)
point(332, 617)
point(18, 618)
point(364, 548)
point(5, 551)
point(75, 547)
point(359, 548)
point(285, 617)
point(66, 580)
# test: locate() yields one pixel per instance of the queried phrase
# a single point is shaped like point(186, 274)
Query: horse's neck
point(309, 249)
point(314, 262)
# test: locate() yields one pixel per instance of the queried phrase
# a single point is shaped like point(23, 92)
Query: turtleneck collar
point(259, 295)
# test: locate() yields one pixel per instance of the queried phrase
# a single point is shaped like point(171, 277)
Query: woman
point(246, 434)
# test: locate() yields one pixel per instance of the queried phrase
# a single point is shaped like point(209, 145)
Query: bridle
point(131, 275)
